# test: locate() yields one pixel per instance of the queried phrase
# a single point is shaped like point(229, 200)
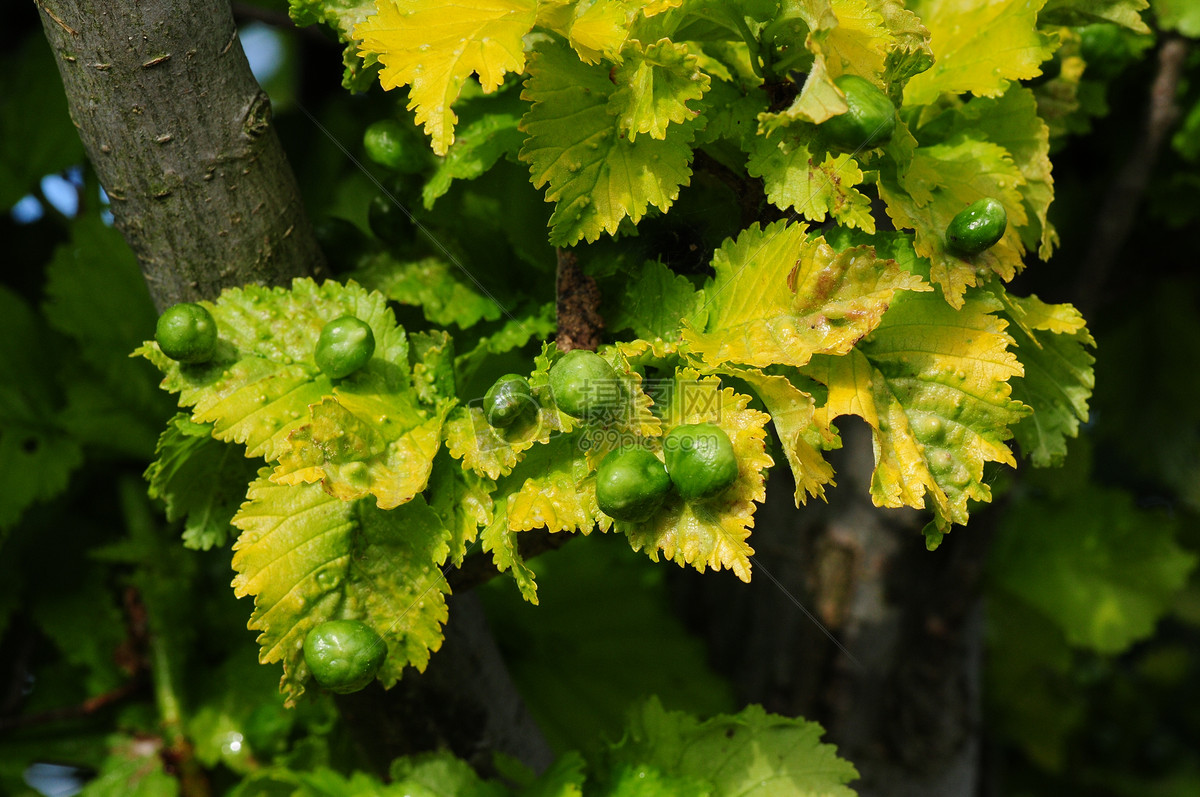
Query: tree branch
point(181, 138)
point(579, 321)
point(1117, 215)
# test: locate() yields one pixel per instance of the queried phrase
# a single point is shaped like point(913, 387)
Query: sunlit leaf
point(933, 383)
point(596, 176)
point(979, 47)
point(308, 557)
point(710, 533)
point(781, 296)
point(434, 46)
point(656, 82)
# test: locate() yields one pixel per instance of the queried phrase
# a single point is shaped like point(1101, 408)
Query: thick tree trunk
point(180, 135)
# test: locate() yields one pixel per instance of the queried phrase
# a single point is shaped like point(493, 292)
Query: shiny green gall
point(395, 145)
point(344, 655)
point(631, 484)
point(584, 385)
point(700, 460)
point(869, 120)
point(508, 400)
point(187, 333)
point(345, 345)
point(976, 228)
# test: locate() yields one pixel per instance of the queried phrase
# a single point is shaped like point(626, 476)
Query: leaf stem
point(757, 61)
point(152, 588)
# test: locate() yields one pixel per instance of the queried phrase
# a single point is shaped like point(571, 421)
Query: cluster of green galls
point(869, 122)
point(342, 655)
point(631, 482)
point(698, 460)
point(187, 333)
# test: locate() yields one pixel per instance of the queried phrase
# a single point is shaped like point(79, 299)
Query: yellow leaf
point(933, 383)
point(792, 412)
point(353, 453)
point(859, 43)
point(979, 46)
point(600, 29)
point(780, 296)
point(435, 45)
point(560, 497)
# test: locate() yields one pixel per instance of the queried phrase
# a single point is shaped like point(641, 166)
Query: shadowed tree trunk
point(181, 138)
point(902, 699)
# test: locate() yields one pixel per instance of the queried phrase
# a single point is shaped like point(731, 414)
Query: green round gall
point(869, 120)
point(584, 384)
point(344, 655)
point(977, 227)
point(186, 333)
point(345, 345)
point(631, 484)
point(508, 400)
point(700, 460)
point(395, 145)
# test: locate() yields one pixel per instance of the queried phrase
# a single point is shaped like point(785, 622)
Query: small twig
point(1117, 216)
point(579, 321)
point(84, 709)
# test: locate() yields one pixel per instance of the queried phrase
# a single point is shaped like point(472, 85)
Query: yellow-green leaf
point(1052, 344)
point(933, 383)
point(359, 445)
point(463, 501)
point(307, 557)
point(257, 388)
point(1012, 122)
point(599, 29)
point(940, 181)
point(493, 453)
point(435, 45)
point(781, 296)
point(596, 176)
point(556, 493)
point(815, 183)
point(793, 414)
point(979, 47)
point(656, 82)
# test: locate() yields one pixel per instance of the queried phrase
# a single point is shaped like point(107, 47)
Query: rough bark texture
point(181, 138)
point(901, 698)
point(579, 321)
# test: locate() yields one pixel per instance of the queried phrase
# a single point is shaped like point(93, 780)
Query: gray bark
point(901, 698)
point(180, 135)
